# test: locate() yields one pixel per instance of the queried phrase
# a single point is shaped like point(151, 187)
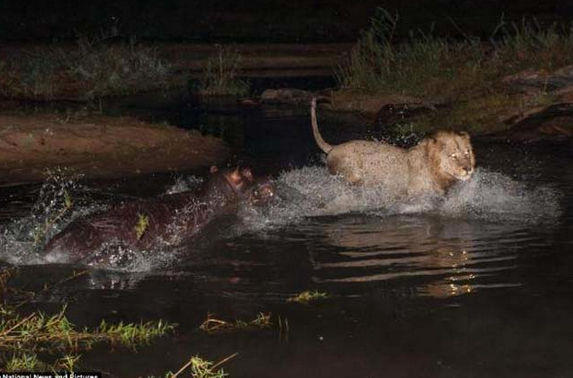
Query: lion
point(431, 167)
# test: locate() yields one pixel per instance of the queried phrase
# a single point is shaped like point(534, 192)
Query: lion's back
point(370, 163)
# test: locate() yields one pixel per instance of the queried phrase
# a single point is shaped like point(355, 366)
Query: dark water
point(480, 285)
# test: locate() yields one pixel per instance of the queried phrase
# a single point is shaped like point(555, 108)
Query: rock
point(374, 107)
point(291, 96)
point(553, 124)
point(534, 81)
point(548, 106)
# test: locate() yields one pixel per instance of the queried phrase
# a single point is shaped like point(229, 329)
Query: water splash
point(494, 197)
point(60, 200)
point(489, 196)
point(301, 194)
point(185, 184)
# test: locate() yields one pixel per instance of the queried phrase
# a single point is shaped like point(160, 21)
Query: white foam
point(301, 194)
point(491, 196)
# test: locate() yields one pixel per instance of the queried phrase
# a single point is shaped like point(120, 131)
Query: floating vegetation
point(40, 332)
point(142, 225)
point(201, 368)
point(29, 362)
point(23, 362)
point(308, 296)
point(213, 325)
point(23, 338)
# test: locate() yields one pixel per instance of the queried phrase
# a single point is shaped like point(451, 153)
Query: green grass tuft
point(220, 75)
point(443, 69)
point(22, 362)
point(215, 326)
point(91, 68)
point(308, 296)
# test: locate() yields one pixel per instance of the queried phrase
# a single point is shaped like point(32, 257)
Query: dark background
point(259, 20)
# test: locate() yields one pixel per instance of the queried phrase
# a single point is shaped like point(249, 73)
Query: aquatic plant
point(213, 325)
point(22, 362)
point(308, 296)
point(141, 226)
point(23, 338)
point(38, 331)
point(220, 74)
point(68, 362)
point(201, 368)
point(19, 362)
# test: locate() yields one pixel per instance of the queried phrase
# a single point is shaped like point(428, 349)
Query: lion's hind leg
point(347, 168)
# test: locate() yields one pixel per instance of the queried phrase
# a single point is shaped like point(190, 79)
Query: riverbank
point(98, 146)
point(87, 70)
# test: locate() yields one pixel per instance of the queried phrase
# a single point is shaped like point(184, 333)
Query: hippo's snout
point(262, 193)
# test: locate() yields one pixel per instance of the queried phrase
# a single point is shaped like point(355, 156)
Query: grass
point(30, 362)
point(201, 368)
point(466, 74)
point(220, 76)
point(89, 69)
point(24, 337)
point(141, 226)
point(24, 362)
point(435, 67)
point(307, 297)
point(40, 332)
point(216, 326)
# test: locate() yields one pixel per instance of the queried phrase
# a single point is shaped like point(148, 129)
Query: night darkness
point(259, 20)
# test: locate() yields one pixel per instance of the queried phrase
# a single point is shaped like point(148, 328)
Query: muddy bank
point(98, 146)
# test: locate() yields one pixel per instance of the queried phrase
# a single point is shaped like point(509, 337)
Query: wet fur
point(429, 168)
point(170, 217)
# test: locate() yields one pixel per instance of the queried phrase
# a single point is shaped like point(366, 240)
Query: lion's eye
point(453, 156)
point(467, 153)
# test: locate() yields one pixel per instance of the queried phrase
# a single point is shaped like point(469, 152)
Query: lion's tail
point(317, 137)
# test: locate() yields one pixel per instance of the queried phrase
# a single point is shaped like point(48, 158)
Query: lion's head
point(451, 156)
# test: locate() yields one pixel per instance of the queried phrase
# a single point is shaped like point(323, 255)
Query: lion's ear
point(464, 134)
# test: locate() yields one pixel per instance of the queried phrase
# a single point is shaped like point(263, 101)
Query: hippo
point(165, 220)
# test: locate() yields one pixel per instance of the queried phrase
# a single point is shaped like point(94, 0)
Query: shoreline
point(99, 147)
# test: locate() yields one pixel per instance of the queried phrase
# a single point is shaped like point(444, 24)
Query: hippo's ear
point(246, 172)
point(213, 169)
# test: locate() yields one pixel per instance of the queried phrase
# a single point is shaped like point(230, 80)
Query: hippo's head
point(238, 184)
